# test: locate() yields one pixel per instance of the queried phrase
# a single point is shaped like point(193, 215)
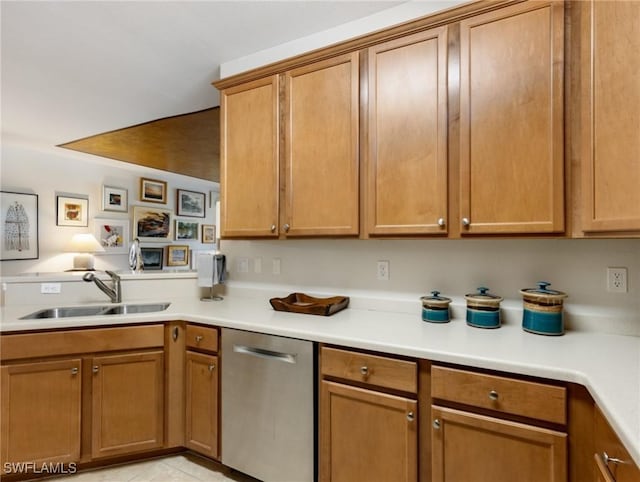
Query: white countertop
point(607, 365)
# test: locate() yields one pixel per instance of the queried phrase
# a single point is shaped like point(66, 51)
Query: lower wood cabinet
point(41, 412)
point(202, 403)
point(467, 447)
point(489, 427)
point(611, 460)
point(368, 431)
point(127, 403)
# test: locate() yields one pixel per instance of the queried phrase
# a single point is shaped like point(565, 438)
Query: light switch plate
point(50, 288)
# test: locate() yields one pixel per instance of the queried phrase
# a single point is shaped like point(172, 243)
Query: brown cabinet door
point(128, 403)
point(202, 402)
point(511, 120)
point(321, 138)
point(610, 128)
point(41, 412)
point(406, 158)
point(366, 435)
point(613, 462)
point(474, 448)
point(249, 175)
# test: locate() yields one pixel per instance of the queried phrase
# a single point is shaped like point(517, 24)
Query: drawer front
point(71, 342)
point(202, 337)
point(370, 369)
point(517, 397)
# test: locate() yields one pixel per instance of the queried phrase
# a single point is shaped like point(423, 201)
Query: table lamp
point(84, 245)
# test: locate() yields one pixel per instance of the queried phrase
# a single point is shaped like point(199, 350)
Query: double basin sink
point(124, 309)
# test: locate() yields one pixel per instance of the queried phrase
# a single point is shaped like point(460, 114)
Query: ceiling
point(73, 69)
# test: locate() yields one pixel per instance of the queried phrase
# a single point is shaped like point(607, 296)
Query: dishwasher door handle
point(262, 353)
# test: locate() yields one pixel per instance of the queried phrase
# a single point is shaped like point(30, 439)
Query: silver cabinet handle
point(441, 222)
point(199, 338)
point(286, 228)
point(613, 460)
point(266, 354)
point(175, 334)
point(364, 370)
point(212, 367)
point(411, 416)
point(466, 222)
point(436, 424)
point(95, 369)
point(74, 371)
point(493, 395)
point(273, 228)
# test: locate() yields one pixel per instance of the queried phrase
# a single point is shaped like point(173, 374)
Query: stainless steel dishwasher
point(268, 412)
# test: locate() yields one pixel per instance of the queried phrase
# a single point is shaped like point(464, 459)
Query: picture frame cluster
point(149, 219)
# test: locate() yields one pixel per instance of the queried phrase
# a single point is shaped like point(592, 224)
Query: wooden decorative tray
point(301, 303)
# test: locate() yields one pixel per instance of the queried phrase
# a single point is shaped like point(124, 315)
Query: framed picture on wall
point(177, 255)
point(208, 233)
point(191, 203)
point(152, 258)
point(114, 199)
point(19, 217)
point(153, 190)
point(72, 211)
point(187, 230)
point(113, 235)
point(151, 224)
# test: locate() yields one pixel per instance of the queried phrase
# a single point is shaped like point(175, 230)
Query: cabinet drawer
point(371, 369)
point(517, 397)
point(202, 337)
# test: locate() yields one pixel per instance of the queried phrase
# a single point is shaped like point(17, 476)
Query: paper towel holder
point(215, 277)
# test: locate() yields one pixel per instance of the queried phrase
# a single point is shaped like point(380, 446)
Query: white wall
point(47, 170)
point(455, 268)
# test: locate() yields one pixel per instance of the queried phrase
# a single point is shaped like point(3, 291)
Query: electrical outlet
point(617, 280)
point(50, 288)
point(383, 271)
point(257, 265)
point(243, 265)
point(275, 266)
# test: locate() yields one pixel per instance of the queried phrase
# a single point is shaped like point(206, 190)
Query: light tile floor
point(175, 468)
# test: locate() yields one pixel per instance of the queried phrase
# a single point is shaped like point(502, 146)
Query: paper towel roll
point(205, 270)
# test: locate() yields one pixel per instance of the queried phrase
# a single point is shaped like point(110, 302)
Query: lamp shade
point(84, 244)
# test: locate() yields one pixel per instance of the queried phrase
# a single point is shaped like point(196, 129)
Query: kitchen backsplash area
point(453, 267)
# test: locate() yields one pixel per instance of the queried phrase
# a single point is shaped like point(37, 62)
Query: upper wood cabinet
point(610, 127)
point(312, 187)
point(511, 120)
point(321, 132)
point(249, 159)
point(405, 159)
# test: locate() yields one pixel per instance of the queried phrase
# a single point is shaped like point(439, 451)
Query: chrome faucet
point(114, 292)
point(135, 256)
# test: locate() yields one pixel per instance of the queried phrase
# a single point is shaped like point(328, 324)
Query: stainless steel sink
point(130, 309)
point(66, 312)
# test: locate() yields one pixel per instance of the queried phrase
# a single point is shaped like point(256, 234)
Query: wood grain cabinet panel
point(321, 112)
point(612, 461)
point(202, 337)
point(249, 169)
point(41, 412)
point(468, 447)
point(127, 403)
point(202, 402)
point(610, 129)
point(406, 158)
point(367, 435)
point(511, 120)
